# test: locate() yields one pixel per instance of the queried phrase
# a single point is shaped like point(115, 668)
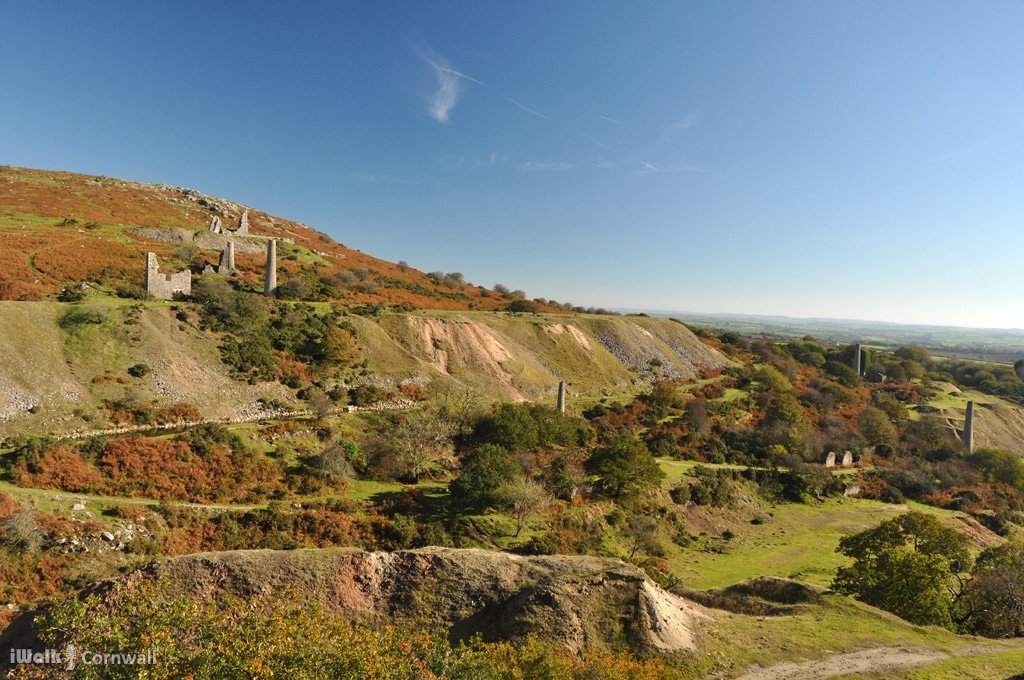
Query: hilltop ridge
point(61, 229)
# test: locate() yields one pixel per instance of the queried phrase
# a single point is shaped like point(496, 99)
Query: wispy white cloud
point(673, 130)
point(524, 107)
point(546, 166)
point(595, 141)
point(611, 120)
point(449, 85)
point(383, 179)
point(646, 168)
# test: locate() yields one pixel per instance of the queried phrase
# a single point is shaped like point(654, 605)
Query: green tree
point(772, 380)
point(642, 533)
point(484, 471)
point(522, 498)
point(993, 600)
point(876, 427)
point(663, 399)
point(997, 465)
point(842, 373)
point(625, 468)
point(896, 411)
point(422, 445)
point(912, 353)
point(524, 427)
point(907, 565)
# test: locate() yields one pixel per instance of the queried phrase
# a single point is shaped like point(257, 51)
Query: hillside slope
point(998, 422)
point(60, 229)
point(56, 377)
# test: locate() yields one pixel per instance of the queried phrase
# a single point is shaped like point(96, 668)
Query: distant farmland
point(988, 344)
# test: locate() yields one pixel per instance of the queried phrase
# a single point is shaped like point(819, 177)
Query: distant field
point(987, 344)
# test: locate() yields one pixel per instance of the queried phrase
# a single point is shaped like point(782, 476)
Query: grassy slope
point(542, 352)
point(987, 664)
point(997, 422)
point(843, 625)
point(58, 367)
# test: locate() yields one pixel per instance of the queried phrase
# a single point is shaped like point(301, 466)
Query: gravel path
point(867, 660)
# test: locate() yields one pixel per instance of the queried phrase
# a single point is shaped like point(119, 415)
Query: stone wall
point(164, 286)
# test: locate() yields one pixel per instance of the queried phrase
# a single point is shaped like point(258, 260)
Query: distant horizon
point(752, 315)
point(857, 160)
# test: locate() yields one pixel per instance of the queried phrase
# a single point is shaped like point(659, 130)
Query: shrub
point(367, 395)
point(139, 370)
point(336, 461)
point(76, 317)
point(8, 506)
point(71, 295)
point(295, 288)
point(131, 291)
point(22, 531)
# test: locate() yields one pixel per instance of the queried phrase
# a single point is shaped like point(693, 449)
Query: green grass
point(732, 394)
point(799, 541)
point(677, 470)
point(49, 500)
point(362, 489)
point(839, 625)
point(981, 667)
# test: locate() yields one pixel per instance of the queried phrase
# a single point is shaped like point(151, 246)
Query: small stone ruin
point(847, 459)
point(830, 459)
point(164, 286)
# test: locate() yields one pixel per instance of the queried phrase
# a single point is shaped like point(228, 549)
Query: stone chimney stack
point(270, 284)
point(227, 259)
point(561, 396)
point(968, 434)
point(856, 361)
point(152, 269)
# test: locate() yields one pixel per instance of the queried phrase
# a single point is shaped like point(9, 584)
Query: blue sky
point(858, 159)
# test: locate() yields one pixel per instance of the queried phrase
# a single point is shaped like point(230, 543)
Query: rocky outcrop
point(578, 601)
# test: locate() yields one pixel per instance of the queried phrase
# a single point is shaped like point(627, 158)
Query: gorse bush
point(260, 330)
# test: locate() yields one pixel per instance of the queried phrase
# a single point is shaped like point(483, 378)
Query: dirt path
point(864, 661)
point(400, 405)
point(68, 497)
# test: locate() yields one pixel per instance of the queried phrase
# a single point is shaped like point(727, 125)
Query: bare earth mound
point(577, 601)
